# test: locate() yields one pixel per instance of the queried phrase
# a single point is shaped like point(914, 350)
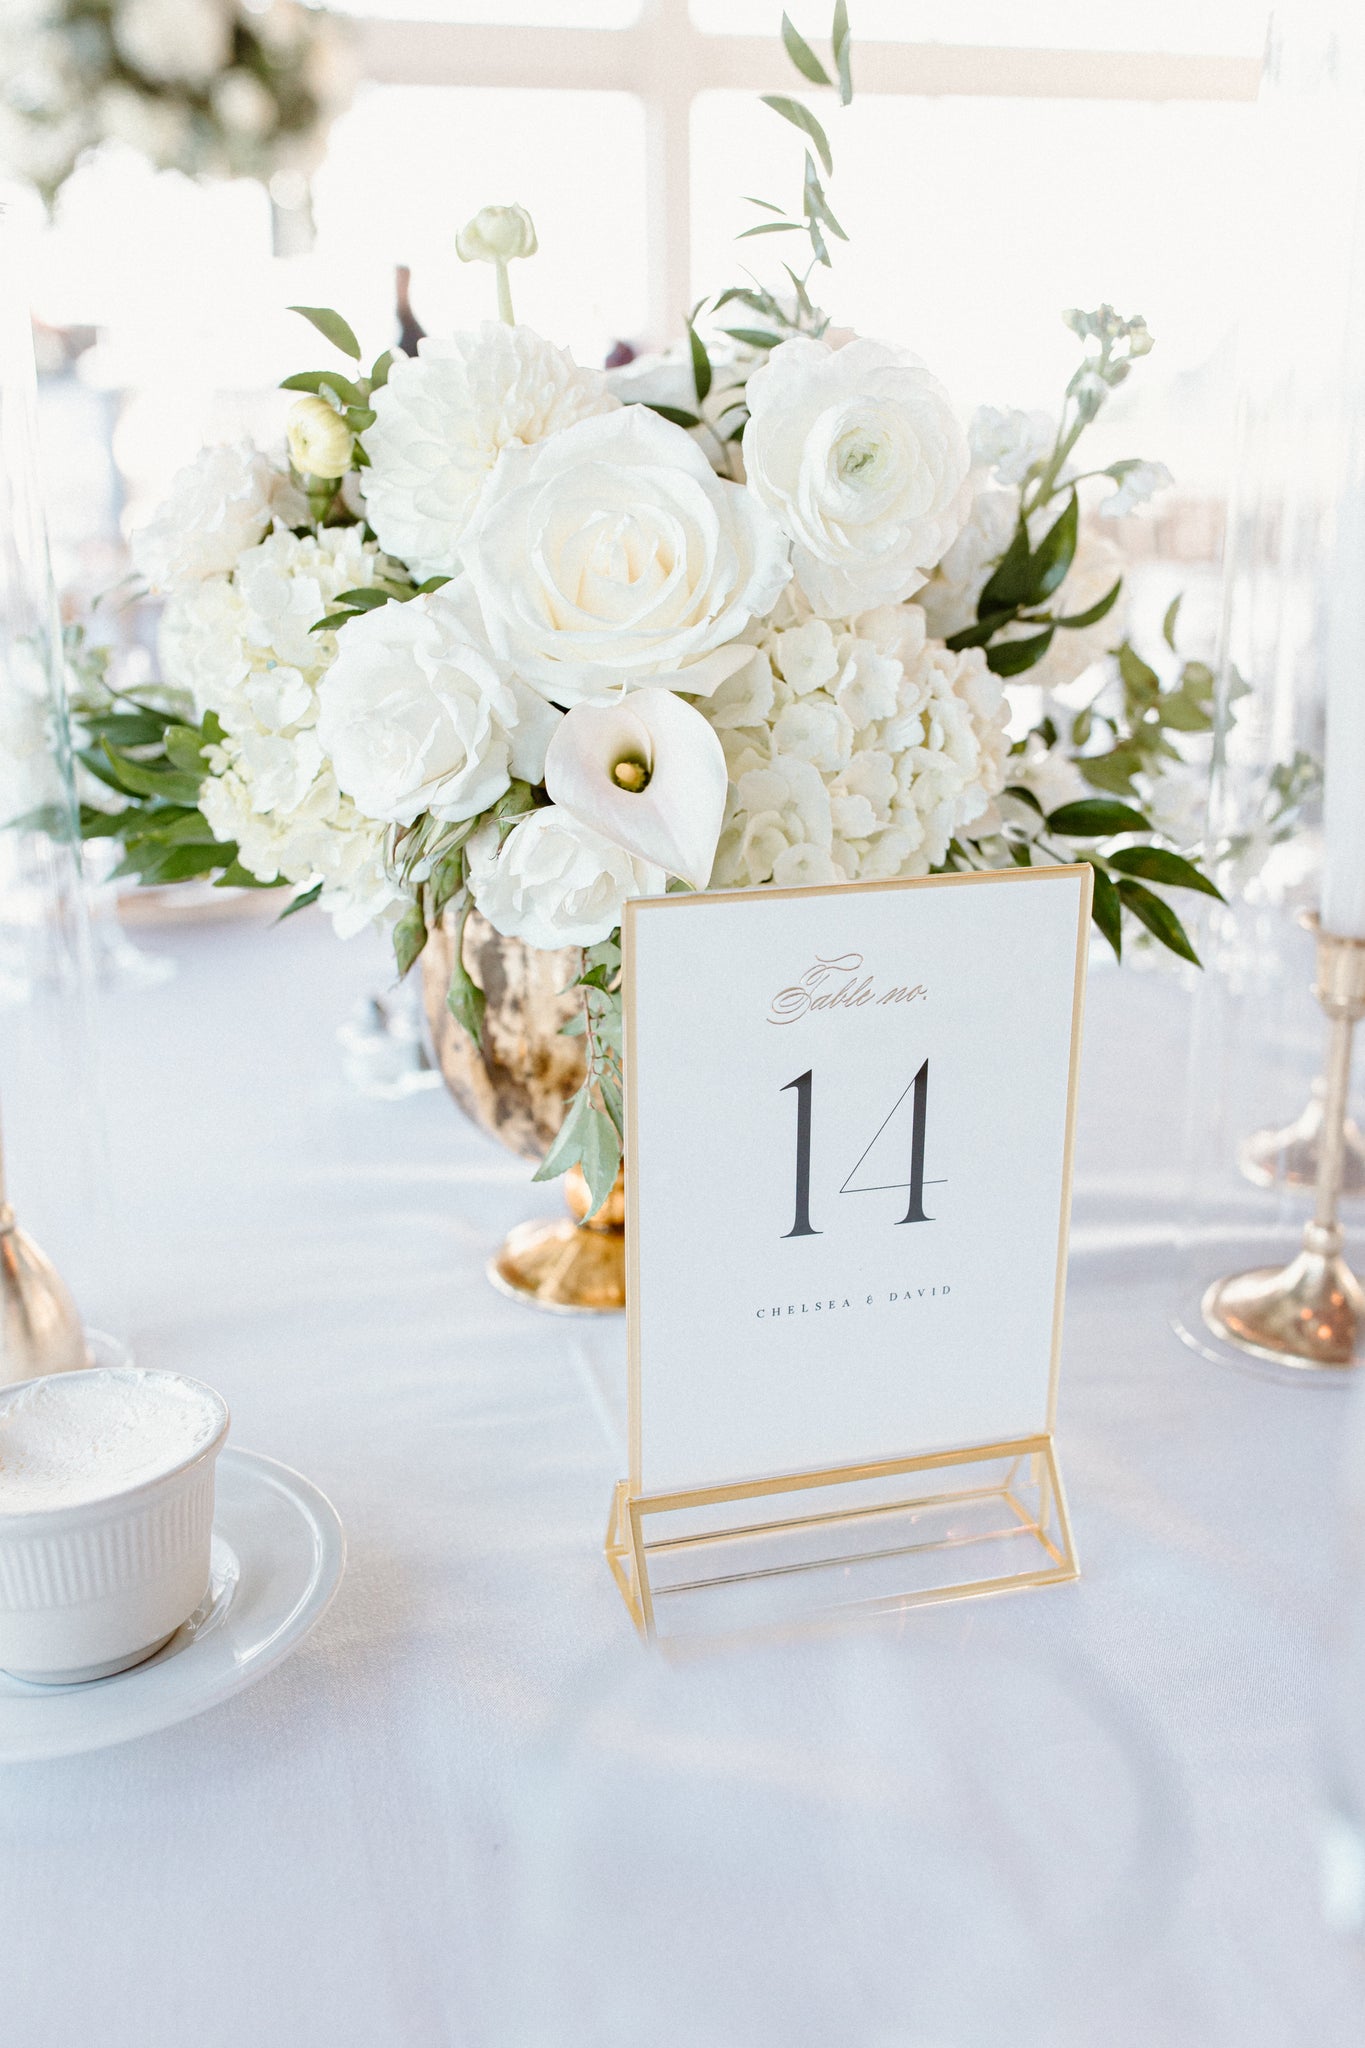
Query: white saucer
point(278, 1555)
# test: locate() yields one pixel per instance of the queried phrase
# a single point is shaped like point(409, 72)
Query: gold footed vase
point(516, 1087)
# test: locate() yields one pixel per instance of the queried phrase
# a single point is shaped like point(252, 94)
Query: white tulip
point(647, 772)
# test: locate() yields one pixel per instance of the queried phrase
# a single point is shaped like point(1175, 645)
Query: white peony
point(416, 715)
point(220, 504)
point(555, 882)
point(612, 554)
point(857, 453)
point(872, 746)
point(170, 41)
point(443, 419)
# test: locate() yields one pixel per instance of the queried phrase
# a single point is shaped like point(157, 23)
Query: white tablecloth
point(473, 1810)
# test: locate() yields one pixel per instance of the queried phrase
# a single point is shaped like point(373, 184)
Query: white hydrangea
point(443, 419)
point(856, 749)
point(221, 504)
point(242, 646)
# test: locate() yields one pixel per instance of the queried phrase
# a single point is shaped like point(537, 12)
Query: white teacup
point(106, 1517)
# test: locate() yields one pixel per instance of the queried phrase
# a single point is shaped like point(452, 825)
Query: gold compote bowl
point(516, 1087)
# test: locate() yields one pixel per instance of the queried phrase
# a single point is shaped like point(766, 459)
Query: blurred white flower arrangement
point(499, 631)
point(222, 88)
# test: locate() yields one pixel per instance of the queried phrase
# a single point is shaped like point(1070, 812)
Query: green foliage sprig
point(592, 1135)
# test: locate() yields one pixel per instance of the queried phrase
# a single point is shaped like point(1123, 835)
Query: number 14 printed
point(804, 1085)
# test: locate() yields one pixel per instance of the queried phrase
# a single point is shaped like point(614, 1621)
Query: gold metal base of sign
point(990, 1519)
point(573, 1267)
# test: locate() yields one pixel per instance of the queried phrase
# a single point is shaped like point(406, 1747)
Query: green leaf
point(464, 998)
point(701, 364)
point(333, 327)
point(1024, 796)
point(601, 1156)
point(801, 117)
point(235, 876)
point(432, 583)
point(185, 749)
point(1012, 657)
point(843, 52)
point(1055, 552)
point(753, 337)
point(128, 728)
point(359, 417)
point(1106, 910)
point(1158, 864)
point(379, 375)
point(99, 824)
point(367, 599)
point(769, 206)
point(984, 629)
point(802, 55)
point(1168, 623)
point(409, 937)
point(1096, 611)
point(1094, 817)
point(1160, 920)
point(1082, 726)
point(1114, 770)
point(815, 205)
point(1183, 713)
point(168, 783)
point(1141, 684)
point(302, 901)
point(323, 382)
point(676, 415)
point(175, 863)
point(567, 1149)
point(769, 227)
point(1008, 586)
point(332, 621)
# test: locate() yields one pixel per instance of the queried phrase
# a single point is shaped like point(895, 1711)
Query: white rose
point(173, 40)
point(857, 453)
point(220, 505)
point(443, 419)
point(555, 882)
point(417, 716)
point(612, 554)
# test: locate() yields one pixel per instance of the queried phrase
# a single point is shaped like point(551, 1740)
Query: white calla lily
point(647, 772)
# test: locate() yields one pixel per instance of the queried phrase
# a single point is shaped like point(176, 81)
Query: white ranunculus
point(320, 442)
point(647, 772)
point(612, 554)
point(220, 505)
point(417, 716)
point(857, 453)
point(170, 41)
point(445, 416)
point(497, 234)
point(555, 882)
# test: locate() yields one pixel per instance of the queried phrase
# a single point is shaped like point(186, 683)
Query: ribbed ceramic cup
point(92, 1589)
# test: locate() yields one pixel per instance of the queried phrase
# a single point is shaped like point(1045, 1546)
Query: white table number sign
point(849, 1140)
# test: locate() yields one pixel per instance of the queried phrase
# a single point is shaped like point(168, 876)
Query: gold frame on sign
point(629, 1553)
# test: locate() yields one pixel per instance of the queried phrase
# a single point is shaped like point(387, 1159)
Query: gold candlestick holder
point(1308, 1314)
point(40, 1330)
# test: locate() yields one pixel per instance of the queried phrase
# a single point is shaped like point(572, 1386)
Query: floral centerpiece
point(210, 87)
point(503, 631)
